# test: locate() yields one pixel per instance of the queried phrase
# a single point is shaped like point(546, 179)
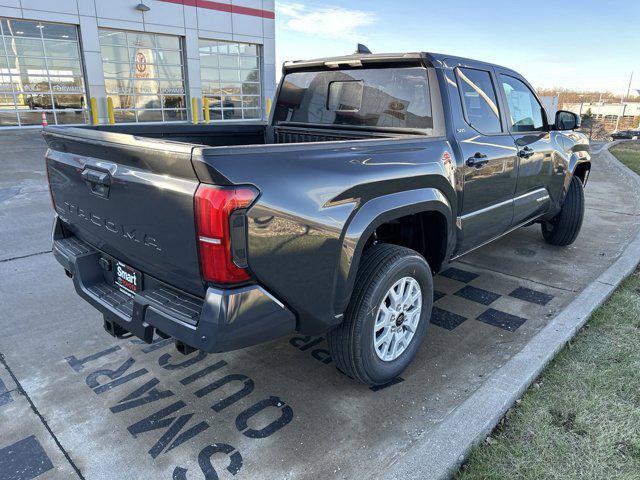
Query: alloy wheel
point(397, 319)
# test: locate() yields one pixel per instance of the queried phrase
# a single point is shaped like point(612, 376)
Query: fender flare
point(576, 159)
point(369, 217)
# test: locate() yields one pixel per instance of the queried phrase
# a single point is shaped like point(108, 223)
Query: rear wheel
point(564, 227)
point(387, 318)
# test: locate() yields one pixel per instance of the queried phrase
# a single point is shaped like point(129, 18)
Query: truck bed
point(214, 135)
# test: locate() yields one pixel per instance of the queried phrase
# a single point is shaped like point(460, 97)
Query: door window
point(525, 112)
point(479, 100)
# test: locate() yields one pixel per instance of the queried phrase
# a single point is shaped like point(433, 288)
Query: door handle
point(479, 160)
point(526, 152)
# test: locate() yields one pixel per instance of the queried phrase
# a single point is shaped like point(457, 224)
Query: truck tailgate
point(131, 197)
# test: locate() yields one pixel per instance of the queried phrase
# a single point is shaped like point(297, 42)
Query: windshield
point(365, 97)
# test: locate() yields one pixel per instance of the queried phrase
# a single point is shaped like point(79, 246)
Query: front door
point(539, 166)
point(489, 161)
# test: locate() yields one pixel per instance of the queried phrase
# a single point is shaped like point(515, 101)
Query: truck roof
point(434, 59)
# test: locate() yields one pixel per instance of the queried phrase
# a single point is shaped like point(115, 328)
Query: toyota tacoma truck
point(373, 172)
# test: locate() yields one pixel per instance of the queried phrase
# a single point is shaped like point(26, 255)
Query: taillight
point(215, 207)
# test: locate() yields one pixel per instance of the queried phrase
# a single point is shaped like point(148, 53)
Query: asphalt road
point(75, 402)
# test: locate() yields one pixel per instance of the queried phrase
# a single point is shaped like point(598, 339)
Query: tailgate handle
point(96, 177)
point(98, 182)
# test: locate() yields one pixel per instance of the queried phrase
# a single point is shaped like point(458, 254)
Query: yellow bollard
point(207, 113)
point(112, 118)
point(94, 111)
point(194, 110)
point(268, 107)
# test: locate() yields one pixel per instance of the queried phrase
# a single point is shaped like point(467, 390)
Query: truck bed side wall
point(212, 134)
point(299, 245)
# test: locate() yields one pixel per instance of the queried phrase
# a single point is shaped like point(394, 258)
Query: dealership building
point(141, 60)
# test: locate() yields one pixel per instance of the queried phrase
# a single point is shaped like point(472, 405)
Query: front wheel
point(563, 229)
point(387, 318)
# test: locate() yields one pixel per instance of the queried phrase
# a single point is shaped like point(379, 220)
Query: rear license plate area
point(127, 279)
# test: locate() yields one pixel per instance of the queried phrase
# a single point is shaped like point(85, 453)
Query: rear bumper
point(226, 319)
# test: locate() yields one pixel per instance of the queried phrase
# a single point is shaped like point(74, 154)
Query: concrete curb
point(440, 456)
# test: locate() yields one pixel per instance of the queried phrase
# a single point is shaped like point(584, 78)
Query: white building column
point(93, 65)
point(269, 53)
point(268, 82)
point(192, 67)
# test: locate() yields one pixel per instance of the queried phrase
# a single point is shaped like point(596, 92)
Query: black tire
point(563, 229)
point(351, 343)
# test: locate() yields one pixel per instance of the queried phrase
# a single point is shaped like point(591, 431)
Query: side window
point(479, 100)
point(525, 112)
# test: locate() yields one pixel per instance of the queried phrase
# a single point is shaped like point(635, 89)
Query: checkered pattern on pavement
point(482, 307)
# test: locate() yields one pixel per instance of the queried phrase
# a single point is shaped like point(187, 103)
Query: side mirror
point(566, 120)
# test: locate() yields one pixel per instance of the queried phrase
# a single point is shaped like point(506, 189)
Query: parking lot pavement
point(112, 408)
point(24, 197)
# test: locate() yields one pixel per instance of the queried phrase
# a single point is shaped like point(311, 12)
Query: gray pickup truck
point(374, 171)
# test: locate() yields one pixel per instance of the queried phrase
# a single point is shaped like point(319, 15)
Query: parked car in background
point(374, 172)
point(626, 135)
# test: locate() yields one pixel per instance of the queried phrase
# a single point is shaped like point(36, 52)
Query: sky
point(576, 44)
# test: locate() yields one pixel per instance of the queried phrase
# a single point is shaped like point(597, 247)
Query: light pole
point(581, 103)
point(624, 105)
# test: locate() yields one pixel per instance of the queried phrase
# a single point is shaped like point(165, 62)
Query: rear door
point(540, 169)
point(131, 197)
point(489, 157)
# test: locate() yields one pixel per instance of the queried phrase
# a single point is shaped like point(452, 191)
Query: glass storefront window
point(124, 116)
point(169, 58)
point(68, 101)
point(173, 101)
point(230, 77)
point(144, 76)
point(25, 47)
point(148, 115)
point(57, 49)
point(175, 115)
point(40, 71)
point(115, 70)
point(72, 117)
point(65, 67)
point(8, 118)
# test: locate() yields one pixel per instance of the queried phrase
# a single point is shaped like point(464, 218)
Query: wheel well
point(424, 232)
point(581, 171)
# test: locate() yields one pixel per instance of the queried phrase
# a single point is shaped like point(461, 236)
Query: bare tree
point(593, 127)
point(566, 95)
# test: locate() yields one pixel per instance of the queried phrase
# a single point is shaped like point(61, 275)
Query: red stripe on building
point(225, 7)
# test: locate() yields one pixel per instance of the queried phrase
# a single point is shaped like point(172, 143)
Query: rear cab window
point(380, 97)
point(479, 100)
